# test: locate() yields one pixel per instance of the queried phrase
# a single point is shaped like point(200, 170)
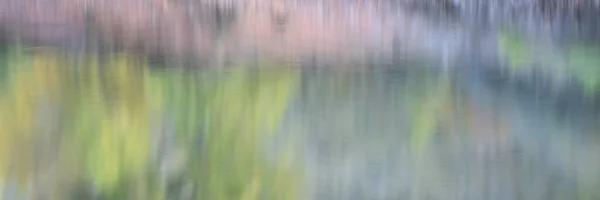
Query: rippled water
point(376, 104)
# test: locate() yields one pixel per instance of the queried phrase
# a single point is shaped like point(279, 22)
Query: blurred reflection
point(115, 127)
point(419, 133)
point(299, 99)
point(112, 129)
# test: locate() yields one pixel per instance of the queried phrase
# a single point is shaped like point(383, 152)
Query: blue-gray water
point(341, 101)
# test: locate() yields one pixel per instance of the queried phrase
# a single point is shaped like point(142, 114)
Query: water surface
point(403, 108)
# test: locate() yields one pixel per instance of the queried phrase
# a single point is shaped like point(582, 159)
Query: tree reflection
point(103, 126)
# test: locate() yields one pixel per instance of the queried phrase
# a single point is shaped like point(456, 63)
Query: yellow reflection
point(102, 114)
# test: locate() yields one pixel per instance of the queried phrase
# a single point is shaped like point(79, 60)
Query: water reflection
point(113, 126)
point(115, 129)
point(424, 134)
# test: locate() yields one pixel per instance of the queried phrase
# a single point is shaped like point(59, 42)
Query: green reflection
point(100, 125)
point(581, 62)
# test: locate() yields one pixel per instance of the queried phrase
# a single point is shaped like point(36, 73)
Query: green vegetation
point(105, 114)
point(582, 62)
point(427, 112)
point(515, 49)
